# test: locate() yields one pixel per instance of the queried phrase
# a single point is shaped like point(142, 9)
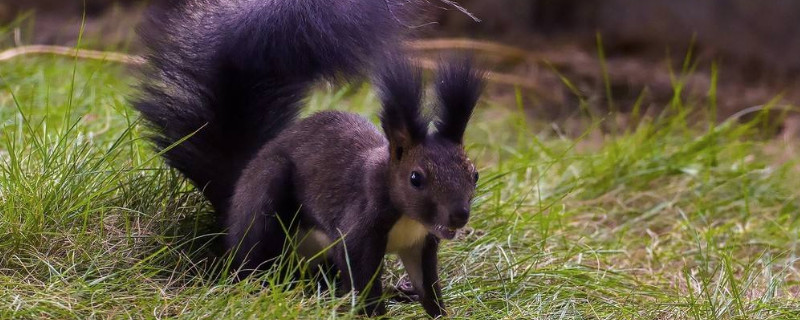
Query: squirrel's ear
point(458, 86)
point(399, 85)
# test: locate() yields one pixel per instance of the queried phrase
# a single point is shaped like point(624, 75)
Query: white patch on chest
point(405, 234)
point(311, 242)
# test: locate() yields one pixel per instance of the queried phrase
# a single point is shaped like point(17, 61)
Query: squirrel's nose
point(459, 217)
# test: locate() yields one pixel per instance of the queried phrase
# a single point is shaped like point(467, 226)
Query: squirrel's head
point(431, 180)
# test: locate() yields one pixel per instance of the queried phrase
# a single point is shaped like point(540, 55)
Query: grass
point(670, 219)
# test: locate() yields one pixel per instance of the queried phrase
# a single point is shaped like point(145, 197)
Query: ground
point(662, 216)
point(643, 46)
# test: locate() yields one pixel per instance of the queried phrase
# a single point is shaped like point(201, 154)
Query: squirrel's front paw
point(404, 292)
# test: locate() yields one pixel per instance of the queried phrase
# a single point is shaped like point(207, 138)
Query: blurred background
point(567, 57)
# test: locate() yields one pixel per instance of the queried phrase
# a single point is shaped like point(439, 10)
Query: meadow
point(669, 217)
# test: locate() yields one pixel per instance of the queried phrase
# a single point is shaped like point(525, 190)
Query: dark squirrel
point(222, 89)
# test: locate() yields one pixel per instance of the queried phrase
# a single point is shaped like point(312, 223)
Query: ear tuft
point(458, 86)
point(399, 85)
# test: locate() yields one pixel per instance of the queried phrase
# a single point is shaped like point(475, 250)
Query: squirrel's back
point(226, 76)
point(328, 153)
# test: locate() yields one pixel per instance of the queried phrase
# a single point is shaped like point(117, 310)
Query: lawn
point(669, 217)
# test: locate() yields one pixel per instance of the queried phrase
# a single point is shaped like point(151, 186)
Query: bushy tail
point(225, 76)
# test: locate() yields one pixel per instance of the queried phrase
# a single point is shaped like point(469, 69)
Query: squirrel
point(222, 90)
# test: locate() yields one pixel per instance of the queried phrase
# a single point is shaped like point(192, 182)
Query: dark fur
point(230, 75)
point(239, 69)
point(400, 89)
point(458, 87)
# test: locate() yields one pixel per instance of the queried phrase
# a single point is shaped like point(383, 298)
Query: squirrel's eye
point(476, 176)
point(416, 179)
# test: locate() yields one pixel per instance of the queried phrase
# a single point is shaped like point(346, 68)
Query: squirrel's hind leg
point(257, 220)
